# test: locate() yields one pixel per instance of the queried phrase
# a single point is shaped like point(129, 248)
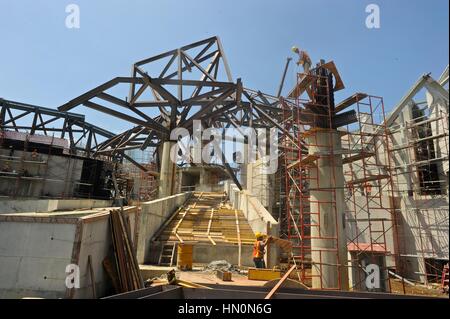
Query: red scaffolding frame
point(371, 209)
point(300, 172)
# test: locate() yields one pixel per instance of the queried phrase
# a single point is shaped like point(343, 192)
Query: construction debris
point(128, 272)
point(172, 280)
point(223, 275)
point(221, 265)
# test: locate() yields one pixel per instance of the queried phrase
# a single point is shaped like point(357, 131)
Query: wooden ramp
point(208, 218)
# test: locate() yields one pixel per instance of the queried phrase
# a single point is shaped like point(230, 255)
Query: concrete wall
point(152, 217)
point(34, 256)
point(204, 254)
point(423, 229)
point(96, 242)
point(35, 250)
point(259, 219)
point(61, 173)
point(424, 232)
point(258, 183)
point(199, 179)
point(9, 206)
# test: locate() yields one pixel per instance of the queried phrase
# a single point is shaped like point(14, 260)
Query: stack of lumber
point(209, 218)
point(127, 267)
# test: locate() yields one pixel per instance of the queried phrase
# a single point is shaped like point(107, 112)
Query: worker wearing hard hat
point(304, 59)
point(259, 249)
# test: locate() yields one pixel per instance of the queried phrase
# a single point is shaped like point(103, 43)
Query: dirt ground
point(419, 290)
point(202, 277)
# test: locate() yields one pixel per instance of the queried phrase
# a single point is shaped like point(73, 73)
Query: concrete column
point(406, 156)
point(249, 177)
point(329, 256)
point(244, 167)
point(167, 174)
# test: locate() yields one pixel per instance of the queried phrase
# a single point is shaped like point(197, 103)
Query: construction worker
point(368, 189)
point(11, 152)
point(350, 189)
point(304, 59)
point(259, 249)
point(34, 155)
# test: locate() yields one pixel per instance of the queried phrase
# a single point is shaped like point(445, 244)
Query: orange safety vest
point(257, 252)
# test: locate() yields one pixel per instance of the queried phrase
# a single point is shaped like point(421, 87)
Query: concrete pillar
point(329, 243)
point(406, 156)
point(243, 166)
point(249, 177)
point(167, 174)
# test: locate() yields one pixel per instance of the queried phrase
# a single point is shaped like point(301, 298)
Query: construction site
point(349, 198)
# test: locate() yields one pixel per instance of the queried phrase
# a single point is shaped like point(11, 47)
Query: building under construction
point(359, 189)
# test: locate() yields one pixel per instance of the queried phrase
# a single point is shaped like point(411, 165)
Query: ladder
point(445, 279)
point(167, 255)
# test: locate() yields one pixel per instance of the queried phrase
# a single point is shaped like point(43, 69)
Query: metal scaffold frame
point(371, 207)
point(426, 147)
point(303, 223)
point(144, 185)
point(371, 211)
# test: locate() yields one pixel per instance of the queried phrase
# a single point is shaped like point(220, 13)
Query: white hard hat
point(294, 49)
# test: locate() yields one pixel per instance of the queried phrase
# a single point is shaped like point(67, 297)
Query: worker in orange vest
point(259, 249)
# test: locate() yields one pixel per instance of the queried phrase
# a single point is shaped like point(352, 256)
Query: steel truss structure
point(84, 138)
point(164, 92)
point(172, 90)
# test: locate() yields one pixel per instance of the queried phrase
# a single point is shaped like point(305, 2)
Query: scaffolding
point(141, 185)
point(26, 169)
point(371, 210)
point(420, 166)
point(309, 141)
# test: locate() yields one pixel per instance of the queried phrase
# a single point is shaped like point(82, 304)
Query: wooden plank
point(300, 87)
point(308, 160)
point(126, 263)
point(91, 272)
point(223, 275)
point(209, 227)
point(350, 101)
point(278, 285)
point(368, 179)
point(238, 230)
point(357, 157)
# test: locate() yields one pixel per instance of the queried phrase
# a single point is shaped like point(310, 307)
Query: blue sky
point(44, 63)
